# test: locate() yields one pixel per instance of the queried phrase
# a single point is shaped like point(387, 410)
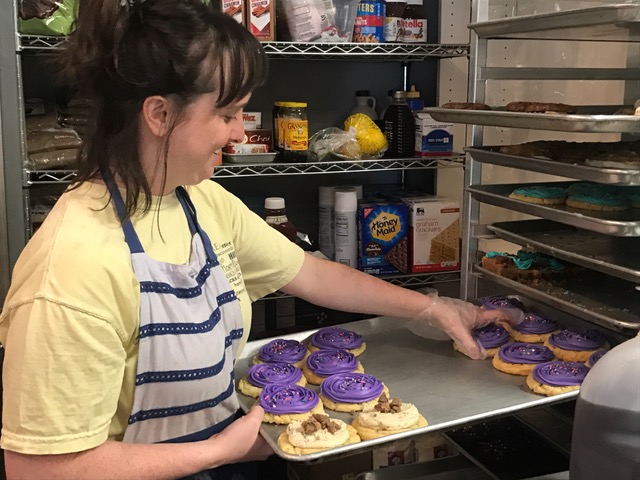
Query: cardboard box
point(261, 18)
point(255, 141)
point(382, 237)
point(422, 448)
point(252, 120)
point(432, 137)
point(235, 9)
point(434, 234)
point(345, 468)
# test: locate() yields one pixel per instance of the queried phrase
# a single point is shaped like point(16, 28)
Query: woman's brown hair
point(124, 52)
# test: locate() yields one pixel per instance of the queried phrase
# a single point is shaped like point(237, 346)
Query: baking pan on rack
point(623, 15)
point(611, 255)
point(448, 388)
point(606, 301)
point(620, 224)
point(553, 167)
point(583, 122)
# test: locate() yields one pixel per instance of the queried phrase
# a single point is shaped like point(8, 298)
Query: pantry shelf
point(303, 51)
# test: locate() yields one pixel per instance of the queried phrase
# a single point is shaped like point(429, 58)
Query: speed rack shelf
point(43, 177)
point(305, 51)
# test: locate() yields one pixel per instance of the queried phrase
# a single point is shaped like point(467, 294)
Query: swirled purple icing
point(560, 374)
point(336, 337)
point(281, 350)
point(351, 387)
point(279, 399)
point(518, 352)
point(577, 339)
point(498, 301)
point(536, 324)
point(330, 362)
point(491, 336)
point(263, 374)
point(595, 356)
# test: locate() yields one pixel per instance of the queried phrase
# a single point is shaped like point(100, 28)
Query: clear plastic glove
point(457, 318)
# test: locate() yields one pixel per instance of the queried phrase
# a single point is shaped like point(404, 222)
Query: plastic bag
point(334, 141)
point(46, 17)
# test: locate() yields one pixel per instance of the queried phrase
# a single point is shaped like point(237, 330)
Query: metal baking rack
point(628, 176)
point(596, 298)
point(584, 122)
point(610, 255)
point(620, 224)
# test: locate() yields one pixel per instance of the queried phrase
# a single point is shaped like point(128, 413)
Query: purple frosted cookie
point(490, 337)
point(576, 345)
point(283, 404)
point(324, 363)
point(262, 374)
point(282, 351)
point(520, 358)
point(496, 302)
point(535, 328)
point(351, 392)
point(554, 378)
point(594, 357)
point(330, 338)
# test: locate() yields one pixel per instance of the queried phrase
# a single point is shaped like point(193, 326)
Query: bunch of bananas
point(370, 138)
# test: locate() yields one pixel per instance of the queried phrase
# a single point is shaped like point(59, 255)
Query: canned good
point(293, 131)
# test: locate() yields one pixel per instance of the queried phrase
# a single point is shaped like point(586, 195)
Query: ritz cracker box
point(434, 234)
point(382, 233)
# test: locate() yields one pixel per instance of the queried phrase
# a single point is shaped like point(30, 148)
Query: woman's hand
point(457, 318)
point(242, 440)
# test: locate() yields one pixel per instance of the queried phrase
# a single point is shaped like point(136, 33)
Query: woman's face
point(202, 130)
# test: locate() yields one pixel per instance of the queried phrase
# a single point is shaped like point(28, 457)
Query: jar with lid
point(414, 23)
point(293, 131)
point(393, 22)
point(275, 214)
point(276, 139)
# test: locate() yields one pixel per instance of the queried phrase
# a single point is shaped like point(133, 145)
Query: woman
point(130, 303)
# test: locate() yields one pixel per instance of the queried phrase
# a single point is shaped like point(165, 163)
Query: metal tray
point(247, 158)
point(569, 24)
point(611, 255)
point(572, 170)
point(447, 388)
point(597, 123)
point(605, 301)
point(620, 224)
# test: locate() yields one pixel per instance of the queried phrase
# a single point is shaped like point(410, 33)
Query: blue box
point(383, 229)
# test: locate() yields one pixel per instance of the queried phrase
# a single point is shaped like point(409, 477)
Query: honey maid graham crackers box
point(382, 237)
point(434, 234)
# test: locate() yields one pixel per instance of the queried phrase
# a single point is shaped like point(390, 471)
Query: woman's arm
point(333, 285)
point(239, 442)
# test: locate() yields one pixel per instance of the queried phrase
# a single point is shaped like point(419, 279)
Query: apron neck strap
point(192, 218)
point(130, 235)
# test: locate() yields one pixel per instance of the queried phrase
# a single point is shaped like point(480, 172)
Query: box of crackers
point(434, 234)
point(383, 227)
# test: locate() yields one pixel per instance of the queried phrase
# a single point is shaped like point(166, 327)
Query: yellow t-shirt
point(70, 319)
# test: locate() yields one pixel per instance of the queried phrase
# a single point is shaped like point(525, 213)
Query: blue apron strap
point(192, 218)
point(130, 235)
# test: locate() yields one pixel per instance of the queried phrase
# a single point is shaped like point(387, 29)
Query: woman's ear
point(157, 112)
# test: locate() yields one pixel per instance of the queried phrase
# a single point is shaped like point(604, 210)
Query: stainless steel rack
point(305, 51)
point(47, 177)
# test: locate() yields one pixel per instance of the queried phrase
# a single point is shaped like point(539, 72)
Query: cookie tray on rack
point(594, 297)
point(620, 224)
point(583, 122)
point(572, 170)
point(611, 255)
point(448, 388)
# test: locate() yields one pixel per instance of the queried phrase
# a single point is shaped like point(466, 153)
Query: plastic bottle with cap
point(275, 214)
point(366, 104)
point(414, 101)
point(399, 127)
point(345, 227)
point(325, 221)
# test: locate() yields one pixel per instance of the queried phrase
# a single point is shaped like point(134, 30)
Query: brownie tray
point(448, 388)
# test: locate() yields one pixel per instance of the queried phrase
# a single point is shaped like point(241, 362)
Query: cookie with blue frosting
point(540, 195)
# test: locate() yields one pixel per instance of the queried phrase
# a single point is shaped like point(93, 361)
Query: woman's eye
point(228, 118)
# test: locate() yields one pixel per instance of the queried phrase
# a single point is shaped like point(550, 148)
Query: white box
point(432, 137)
point(252, 120)
point(434, 234)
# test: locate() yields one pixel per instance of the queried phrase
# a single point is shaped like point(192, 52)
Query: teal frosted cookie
point(540, 194)
point(588, 188)
point(632, 195)
point(598, 201)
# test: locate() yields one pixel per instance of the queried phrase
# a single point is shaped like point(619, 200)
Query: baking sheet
point(539, 121)
point(620, 224)
point(613, 17)
point(605, 301)
point(553, 167)
point(611, 255)
point(249, 158)
point(448, 388)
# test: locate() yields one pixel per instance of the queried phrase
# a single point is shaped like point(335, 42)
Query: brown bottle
point(275, 214)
